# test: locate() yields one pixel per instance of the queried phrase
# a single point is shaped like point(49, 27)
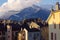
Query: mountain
point(31, 12)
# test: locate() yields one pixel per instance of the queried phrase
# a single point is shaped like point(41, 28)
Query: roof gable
point(52, 13)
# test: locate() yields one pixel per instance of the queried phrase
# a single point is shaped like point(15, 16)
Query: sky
point(43, 2)
point(2, 1)
point(7, 5)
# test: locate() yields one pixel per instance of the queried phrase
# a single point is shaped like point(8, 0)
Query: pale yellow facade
point(54, 17)
point(54, 24)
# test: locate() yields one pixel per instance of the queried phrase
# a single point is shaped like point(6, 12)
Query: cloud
point(15, 5)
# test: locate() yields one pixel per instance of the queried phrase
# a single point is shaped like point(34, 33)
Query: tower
point(54, 24)
point(9, 32)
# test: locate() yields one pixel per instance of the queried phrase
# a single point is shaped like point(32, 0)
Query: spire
point(57, 5)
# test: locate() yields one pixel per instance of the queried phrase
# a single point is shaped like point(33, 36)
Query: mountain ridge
point(31, 12)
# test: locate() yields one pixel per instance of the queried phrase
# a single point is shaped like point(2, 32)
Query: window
point(36, 36)
point(8, 36)
point(55, 36)
point(3, 33)
point(51, 36)
point(9, 31)
point(59, 25)
point(0, 33)
point(3, 38)
point(54, 26)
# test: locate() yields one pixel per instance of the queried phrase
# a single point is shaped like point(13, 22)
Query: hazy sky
point(43, 2)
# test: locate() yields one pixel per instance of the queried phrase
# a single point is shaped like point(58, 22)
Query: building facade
point(11, 30)
point(54, 23)
point(31, 34)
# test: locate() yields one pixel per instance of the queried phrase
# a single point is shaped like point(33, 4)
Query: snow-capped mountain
point(31, 12)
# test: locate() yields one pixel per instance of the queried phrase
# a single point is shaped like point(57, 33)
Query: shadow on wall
point(44, 33)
